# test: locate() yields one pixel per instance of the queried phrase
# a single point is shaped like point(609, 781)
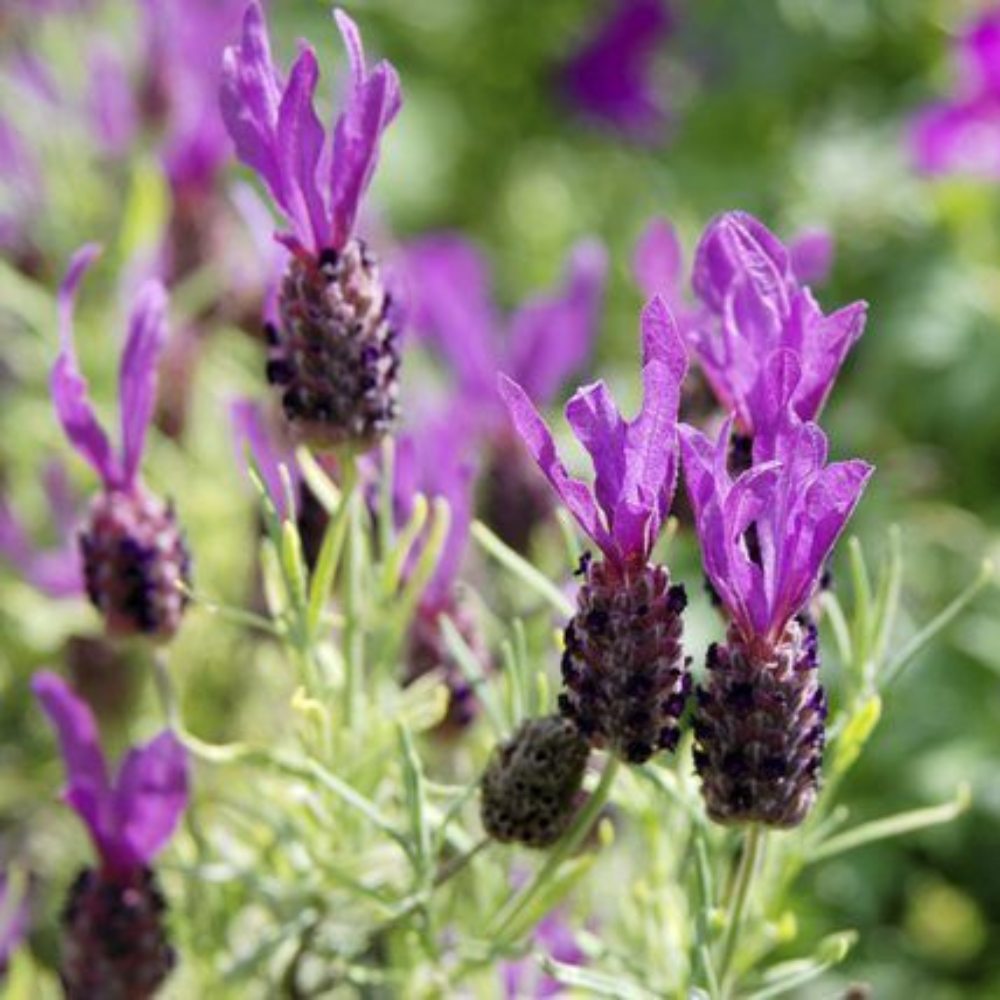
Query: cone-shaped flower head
point(531, 788)
point(132, 816)
point(623, 667)
point(542, 343)
point(610, 78)
point(134, 556)
point(755, 305)
point(333, 350)
point(962, 135)
point(765, 536)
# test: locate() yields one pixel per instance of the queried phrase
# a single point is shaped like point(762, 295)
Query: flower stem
point(570, 842)
point(746, 873)
point(353, 638)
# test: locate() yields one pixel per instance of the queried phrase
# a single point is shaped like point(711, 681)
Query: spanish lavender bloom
point(531, 788)
point(765, 536)
point(434, 459)
point(114, 941)
point(610, 78)
point(625, 675)
point(134, 556)
point(333, 351)
point(754, 306)
point(450, 301)
point(962, 135)
point(14, 922)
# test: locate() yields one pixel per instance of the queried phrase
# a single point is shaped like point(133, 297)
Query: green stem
point(581, 826)
point(746, 873)
point(353, 637)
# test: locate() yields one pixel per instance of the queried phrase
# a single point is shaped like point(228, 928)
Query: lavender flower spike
point(114, 940)
point(133, 553)
point(765, 537)
point(622, 666)
point(333, 351)
point(755, 305)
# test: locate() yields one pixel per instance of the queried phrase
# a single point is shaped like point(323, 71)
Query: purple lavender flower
point(754, 304)
point(610, 79)
point(523, 980)
point(450, 301)
point(134, 557)
point(15, 918)
point(333, 351)
point(623, 668)
point(765, 537)
point(114, 940)
point(962, 135)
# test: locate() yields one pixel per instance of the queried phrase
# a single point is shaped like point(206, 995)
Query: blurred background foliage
point(794, 110)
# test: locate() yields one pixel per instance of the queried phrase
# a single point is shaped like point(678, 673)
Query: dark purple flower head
point(133, 816)
point(450, 298)
point(765, 535)
point(635, 461)
point(277, 132)
point(609, 79)
point(15, 918)
point(754, 305)
point(962, 135)
point(136, 387)
point(55, 572)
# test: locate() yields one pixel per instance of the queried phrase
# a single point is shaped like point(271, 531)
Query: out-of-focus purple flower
point(250, 433)
point(523, 980)
point(755, 305)
point(111, 102)
point(450, 302)
point(610, 78)
point(55, 572)
point(635, 461)
point(766, 534)
point(278, 134)
point(132, 816)
point(15, 918)
point(962, 135)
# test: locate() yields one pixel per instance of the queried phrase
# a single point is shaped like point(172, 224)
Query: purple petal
point(979, 55)
point(137, 378)
point(249, 431)
point(811, 256)
point(551, 337)
point(150, 797)
point(599, 427)
point(69, 387)
point(300, 141)
point(658, 262)
point(534, 433)
point(961, 138)
point(15, 919)
point(87, 791)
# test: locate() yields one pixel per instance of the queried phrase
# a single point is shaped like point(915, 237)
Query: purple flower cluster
point(767, 516)
point(961, 135)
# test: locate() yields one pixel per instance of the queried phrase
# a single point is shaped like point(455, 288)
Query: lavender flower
point(333, 352)
point(434, 459)
point(609, 79)
point(962, 135)
point(522, 979)
point(623, 668)
point(15, 918)
point(114, 940)
point(450, 299)
point(134, 557)
point(765, 536)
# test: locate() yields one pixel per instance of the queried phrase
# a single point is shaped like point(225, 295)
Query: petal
point(961, 138)
point(658, 261)
point(87, 790)
point(250, 433)
point(575, 494)
point(137, 378)
point(811, 255)
point(69, 387)
point(770, 403)
point(979, 54)
point(552, 337)
point(151, 794)
point(300, 141)
point(599, 427)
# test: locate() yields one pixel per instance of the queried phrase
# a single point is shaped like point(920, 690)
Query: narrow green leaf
point(598, 983)
point(472, 670)
point(416, 802)
point(790, 975)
